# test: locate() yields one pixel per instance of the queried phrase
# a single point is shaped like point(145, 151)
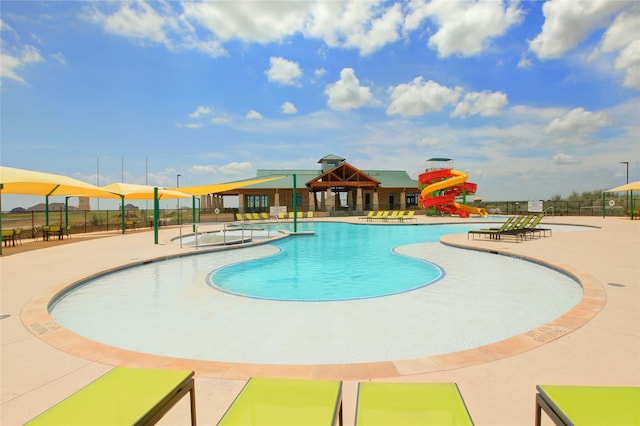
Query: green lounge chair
point(275, 401)
point(123, 396)
point(589, 405)
point(392, 403)
point(494, 233)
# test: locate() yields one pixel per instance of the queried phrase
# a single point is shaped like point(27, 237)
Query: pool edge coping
point(36, 318)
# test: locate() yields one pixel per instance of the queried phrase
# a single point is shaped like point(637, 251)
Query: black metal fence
point(83, 221)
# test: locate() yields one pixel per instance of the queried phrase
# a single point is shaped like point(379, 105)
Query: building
point(337, 187)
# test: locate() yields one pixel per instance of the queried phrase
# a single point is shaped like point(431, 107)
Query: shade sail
point(29, 182)
point(222, 187)
point(132, 191)
point(631, 186)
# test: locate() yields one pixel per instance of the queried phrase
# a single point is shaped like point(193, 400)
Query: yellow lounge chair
point(368, 216)
point(240, 217)
point(393, 215)
point(378, 215)
point(264, 216)
point(309, 215)
point(123, 396)
point(271, 401)
point(589, 405)
point(281, 216)
point(393, 403)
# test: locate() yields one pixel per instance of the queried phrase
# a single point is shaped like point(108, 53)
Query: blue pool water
point(340, 261)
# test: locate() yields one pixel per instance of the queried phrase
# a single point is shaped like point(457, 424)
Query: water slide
point(453, 183)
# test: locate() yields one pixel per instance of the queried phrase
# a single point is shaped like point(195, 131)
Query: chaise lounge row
point(387, 215)
point(248, 217)
point(516, 227)
point(134, 396)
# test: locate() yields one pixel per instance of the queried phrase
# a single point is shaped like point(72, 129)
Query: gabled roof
point(384, 178)
point(343, 175)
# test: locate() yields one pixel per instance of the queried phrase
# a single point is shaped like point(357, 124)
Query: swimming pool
point(168, 308)
point(340, 262)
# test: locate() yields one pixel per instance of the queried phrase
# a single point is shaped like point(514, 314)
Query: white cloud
point(364, 25)
point(221, 120)
point(288, 108)
point(254, 115)
point(418, 98)
point(465, 27)
point(347, 93)
point(524, 61)
point(623, 38)
point(561, 158)
point(283, 71)
point(255, 21)
point(567, 23)
point(203, 170)
point(153, 23)
point(485, 103)
point(577, 122)
point(200, 111)
point(629, 60)
point(136, 20)
point(189, 125)
point(58, 57)
point(9, 65)
point(235, 168)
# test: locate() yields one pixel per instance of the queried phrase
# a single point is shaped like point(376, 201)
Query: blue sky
point(531, 99)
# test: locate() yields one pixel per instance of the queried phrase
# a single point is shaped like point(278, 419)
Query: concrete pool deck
point(596, 343)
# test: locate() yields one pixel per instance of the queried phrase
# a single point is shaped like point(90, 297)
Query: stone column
point(359, 200)
point(312, 201)
point(376, 204)
point(240, 203)
point(403, 199)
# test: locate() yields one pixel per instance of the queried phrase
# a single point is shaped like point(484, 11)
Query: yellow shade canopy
point(30, 182)
point(631, 186)
point(132, 191)
point(222, 187)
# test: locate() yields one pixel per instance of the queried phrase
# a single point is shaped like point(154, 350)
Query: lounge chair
point(394, 403)
point(409, 216)
point(368, 216)
point(276, 401)
point(240, 217)
point(378, 215)
point(393, 215)
point(309, 215)
point(281, 216)
point(592, 405)
point(123, 396)
point(264, 216)
point(494, 233)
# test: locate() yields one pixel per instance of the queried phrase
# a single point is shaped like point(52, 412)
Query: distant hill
point(53, 207)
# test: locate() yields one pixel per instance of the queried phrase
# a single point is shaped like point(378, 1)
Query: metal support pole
point(295, 205)
point(156, 214)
